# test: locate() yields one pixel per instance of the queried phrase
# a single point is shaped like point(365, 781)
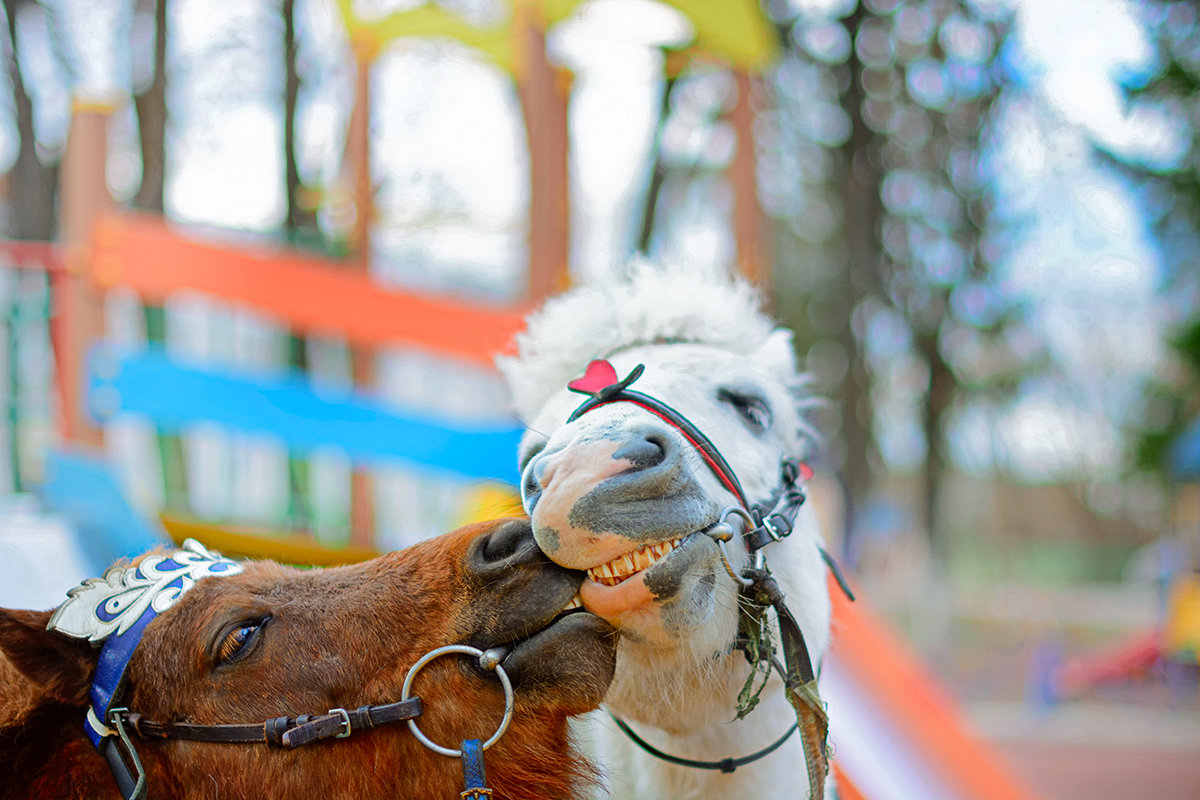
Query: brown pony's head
point(276, 641)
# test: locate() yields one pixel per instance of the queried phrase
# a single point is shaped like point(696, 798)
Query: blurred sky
point(450, 165)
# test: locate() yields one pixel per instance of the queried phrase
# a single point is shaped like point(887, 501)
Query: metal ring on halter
point(736, 511)
point(715, 533)
point(760, 559)
point(471, 651)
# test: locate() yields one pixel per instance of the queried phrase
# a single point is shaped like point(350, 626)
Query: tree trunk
point(33, 193)
point(291, 93)
point(862, 211)
point(299, 516)
point(33, 214)
point(658, 171)
point(933, 419)
point(151, 107)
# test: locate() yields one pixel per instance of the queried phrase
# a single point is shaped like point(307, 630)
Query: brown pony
point(276, 641)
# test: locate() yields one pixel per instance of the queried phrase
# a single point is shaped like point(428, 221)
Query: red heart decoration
point(599, 374)
point(805, 471)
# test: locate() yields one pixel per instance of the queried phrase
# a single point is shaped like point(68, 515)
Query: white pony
point(620, 492)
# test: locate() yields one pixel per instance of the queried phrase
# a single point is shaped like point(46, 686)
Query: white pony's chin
point(668, 601)
point(629, 606)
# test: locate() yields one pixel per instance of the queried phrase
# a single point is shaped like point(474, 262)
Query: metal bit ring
point(723, 531)
point(465, 649)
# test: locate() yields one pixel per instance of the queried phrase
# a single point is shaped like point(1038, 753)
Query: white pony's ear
point(776, 354)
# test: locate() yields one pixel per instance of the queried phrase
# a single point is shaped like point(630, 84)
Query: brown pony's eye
point(238, 641)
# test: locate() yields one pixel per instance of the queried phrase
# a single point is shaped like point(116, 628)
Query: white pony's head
point(623, 494)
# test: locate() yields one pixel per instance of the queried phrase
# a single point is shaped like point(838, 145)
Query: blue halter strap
point(116, 610)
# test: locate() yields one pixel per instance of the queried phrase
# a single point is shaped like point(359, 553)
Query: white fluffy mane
point(651, 303)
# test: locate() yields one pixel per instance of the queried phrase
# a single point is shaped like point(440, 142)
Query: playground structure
point(1172, 646)
point(101, 250)
point(896, 736)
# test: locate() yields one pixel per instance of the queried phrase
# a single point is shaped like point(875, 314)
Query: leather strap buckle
point(346, 727)
point(777, 527)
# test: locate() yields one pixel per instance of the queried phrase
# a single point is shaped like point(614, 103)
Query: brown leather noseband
point(286, 732)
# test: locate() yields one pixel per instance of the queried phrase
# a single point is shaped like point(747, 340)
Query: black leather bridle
point(292, 732)
point(284, 732)
point(769, 521)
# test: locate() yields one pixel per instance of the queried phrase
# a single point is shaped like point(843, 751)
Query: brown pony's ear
point(59, 667)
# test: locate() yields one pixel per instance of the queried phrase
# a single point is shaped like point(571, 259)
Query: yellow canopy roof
point(736, 31)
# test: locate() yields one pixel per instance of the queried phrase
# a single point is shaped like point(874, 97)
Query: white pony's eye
point(753, 410)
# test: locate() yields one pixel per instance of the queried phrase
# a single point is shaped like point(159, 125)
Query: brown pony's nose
point(509, 546)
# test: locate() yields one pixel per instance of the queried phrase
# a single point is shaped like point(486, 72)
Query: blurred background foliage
point(991, 273)
point(1170, 192)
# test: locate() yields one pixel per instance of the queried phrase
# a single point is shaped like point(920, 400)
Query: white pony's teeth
point(627, 564)
point(572, 604)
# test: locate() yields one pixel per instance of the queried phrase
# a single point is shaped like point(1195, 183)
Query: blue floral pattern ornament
point(102, 607)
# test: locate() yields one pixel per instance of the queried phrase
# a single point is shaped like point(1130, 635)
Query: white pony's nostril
point(531, 486)
point(644, 452)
